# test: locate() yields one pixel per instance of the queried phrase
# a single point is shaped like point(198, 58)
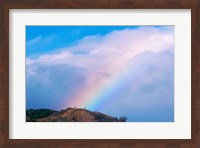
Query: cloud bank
point(127, 72)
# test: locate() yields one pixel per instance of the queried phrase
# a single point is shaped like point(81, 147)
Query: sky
point(122, 71)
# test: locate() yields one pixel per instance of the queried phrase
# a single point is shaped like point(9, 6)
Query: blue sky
point(42, 39)
point(117, 70)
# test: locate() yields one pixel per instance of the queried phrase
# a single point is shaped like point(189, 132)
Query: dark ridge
point(69, 115)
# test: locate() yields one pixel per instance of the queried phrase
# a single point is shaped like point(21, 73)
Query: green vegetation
point(122, 119)
point(33, 114)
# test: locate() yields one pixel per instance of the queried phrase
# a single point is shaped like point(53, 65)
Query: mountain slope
point(71, 115)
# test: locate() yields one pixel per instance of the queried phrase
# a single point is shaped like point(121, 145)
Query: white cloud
point(34, 40)
point(147, 90)
point(39, 40)
point(113, 50)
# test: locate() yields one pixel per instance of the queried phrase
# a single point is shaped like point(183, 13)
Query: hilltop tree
point(122, 119)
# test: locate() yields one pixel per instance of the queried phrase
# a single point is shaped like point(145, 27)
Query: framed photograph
point(99, 74)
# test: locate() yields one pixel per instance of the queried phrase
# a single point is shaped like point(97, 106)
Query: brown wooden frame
point(5, 5)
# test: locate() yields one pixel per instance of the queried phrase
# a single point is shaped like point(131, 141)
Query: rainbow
point(93, 96)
